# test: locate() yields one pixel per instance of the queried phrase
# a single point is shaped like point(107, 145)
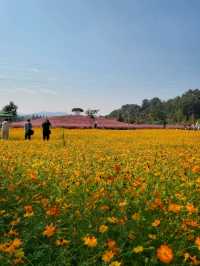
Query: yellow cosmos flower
point(151, 236)
point(136, 216)
point(62, 242)
point(122, 204)
point(138, 249)
point(28, 211)
point(19, 253)
point(2, 212)
point(103, 228)
point(115, 263)
point(186, 256)
point(112, 220)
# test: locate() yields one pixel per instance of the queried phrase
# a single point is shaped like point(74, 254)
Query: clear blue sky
point(55, 55)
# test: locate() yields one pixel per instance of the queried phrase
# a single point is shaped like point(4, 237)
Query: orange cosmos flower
point(196, 169)
point(53, 211)
point(191, 223)
point(15, 222)
point(194, 260)
point(49, 230)
point(10, 247)
point(13, 233)
point(17, 243)
point(108, 255)
point(18, 261)
point(190, 208)
point(165, 254)
point(90, 241)
point(44, 202)
point(104, 208)
point(117, 168)
point(157, 203)
point(173, 207)
point(111, 243)
point(156, 223)
point(33, 176)
point(197, 242)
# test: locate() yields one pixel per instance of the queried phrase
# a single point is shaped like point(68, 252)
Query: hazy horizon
point(96, 54)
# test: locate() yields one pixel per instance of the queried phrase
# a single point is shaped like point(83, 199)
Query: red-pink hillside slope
point(72, 121)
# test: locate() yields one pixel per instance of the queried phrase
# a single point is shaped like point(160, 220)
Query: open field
point(97, 197)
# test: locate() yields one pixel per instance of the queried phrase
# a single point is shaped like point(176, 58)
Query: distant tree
point(145, 104)
point(77, 110)
point(120, 117)
point(191, 104)
point(114, 114)
point(155, 111)
point(92, 112)
point(10, 108)
point(130, 113)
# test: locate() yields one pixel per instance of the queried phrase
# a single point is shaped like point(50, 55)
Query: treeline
point(181, 109)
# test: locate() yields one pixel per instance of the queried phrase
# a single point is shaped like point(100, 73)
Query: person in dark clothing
point(46, 129)
point(28, 129)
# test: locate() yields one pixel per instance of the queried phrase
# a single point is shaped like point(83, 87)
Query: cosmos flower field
point(100, 197)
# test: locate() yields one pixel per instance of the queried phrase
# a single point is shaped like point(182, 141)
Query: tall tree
point(92, 112)
point(10, 108)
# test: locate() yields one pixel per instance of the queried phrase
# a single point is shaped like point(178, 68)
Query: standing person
point(46, 129)
point(164, 123)
point(28, 129)
point(95, 124)
point(5, 129)
point(197, 125)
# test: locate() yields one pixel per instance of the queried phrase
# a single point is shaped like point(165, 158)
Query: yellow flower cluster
point(100, 197)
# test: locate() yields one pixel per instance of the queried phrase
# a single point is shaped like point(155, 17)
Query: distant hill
point(77, 121)
point(82, 121)
point(43, 114)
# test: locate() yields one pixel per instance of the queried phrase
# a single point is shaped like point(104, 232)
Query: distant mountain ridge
point(43, 113)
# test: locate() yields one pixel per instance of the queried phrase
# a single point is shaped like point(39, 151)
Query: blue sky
point(55, 55)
